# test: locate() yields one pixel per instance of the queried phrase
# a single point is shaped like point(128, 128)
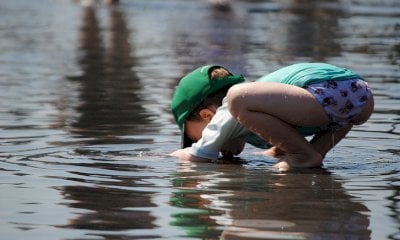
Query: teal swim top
point(303, 74)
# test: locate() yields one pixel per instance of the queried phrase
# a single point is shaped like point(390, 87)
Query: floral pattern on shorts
point(342, 100)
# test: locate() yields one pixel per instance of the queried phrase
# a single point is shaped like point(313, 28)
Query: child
point(282, 107)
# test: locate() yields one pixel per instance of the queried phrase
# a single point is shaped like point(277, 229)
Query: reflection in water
point(318, 25)
point(80, 159)
point(293, 31)
point(110, 107)
point(392, 187)
point(110, 101)
point(219, 39)
point(260, 204)
point(395, 203)
point(109, 208)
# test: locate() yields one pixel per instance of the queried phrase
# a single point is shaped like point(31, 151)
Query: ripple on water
point(85, 121)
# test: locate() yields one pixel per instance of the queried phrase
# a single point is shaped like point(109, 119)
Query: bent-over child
point(218, 112)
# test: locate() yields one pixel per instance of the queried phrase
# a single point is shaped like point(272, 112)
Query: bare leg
point(325, 141)
point(272, 152)
point(271, 110)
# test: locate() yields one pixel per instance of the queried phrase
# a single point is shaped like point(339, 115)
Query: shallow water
point(85, 126)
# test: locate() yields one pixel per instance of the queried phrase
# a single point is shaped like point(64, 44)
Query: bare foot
point(293, 160)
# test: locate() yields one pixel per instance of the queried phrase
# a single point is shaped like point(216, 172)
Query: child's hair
point(214, 99)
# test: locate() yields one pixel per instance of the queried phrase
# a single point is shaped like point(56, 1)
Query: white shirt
point(221, 129)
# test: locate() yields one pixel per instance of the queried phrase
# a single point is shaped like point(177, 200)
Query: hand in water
point(184, 154)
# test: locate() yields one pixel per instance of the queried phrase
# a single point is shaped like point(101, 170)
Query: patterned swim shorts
point(341, 100)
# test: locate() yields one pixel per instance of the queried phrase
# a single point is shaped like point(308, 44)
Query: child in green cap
point(217, 112)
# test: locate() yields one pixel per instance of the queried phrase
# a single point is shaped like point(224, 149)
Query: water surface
point(85, 126)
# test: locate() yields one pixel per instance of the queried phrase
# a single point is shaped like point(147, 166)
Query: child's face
point(194, 128)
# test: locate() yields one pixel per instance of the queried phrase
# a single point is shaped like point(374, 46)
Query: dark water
point(85, 126)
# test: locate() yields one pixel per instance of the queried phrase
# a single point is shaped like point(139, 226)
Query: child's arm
point(185, 155)
point(229, 150)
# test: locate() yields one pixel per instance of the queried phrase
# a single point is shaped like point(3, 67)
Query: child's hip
point(343, 101)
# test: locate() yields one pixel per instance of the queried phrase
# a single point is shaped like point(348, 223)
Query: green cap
point(194, 88)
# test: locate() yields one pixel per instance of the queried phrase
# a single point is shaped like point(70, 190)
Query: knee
point(235, 100)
